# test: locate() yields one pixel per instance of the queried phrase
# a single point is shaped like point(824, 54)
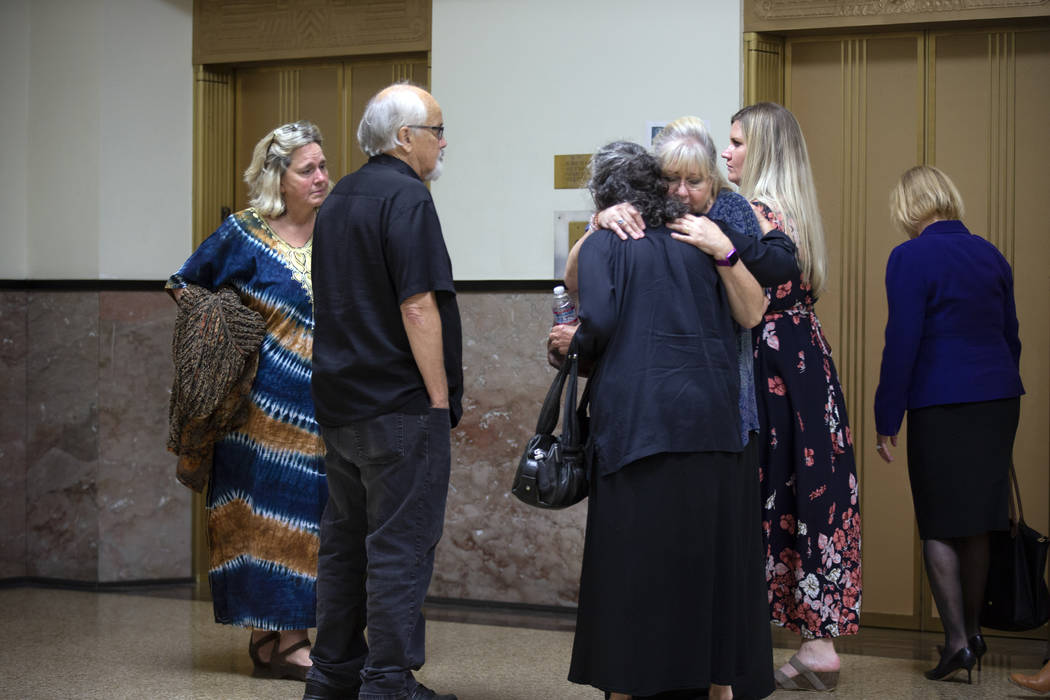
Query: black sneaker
point(424, 693)
point(316, 690)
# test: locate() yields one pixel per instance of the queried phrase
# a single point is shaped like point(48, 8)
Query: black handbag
point(553, 472)
point(1016, 597)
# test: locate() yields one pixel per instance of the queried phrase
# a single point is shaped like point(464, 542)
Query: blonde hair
point(686, 145)
point(777, 172)
point(270, 160)
point(922, 194)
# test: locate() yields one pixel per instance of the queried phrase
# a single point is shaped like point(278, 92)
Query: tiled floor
point(70, 644)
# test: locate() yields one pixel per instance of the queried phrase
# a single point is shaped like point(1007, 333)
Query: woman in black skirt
point(951, 361)
point(672, 589)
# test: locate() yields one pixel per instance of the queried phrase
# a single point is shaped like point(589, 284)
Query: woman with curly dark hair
point(672, 590)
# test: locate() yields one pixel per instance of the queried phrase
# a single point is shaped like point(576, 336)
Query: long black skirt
point(958, 464)
point(673, 589)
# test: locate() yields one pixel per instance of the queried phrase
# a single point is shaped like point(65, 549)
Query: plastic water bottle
point(564, 309)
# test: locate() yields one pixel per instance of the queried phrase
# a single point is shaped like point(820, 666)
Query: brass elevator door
point(332, 95)
point(973, 102)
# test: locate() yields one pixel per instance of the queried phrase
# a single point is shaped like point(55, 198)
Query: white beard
point(438, 167)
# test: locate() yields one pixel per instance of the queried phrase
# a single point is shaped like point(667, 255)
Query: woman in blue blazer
point(952, 362)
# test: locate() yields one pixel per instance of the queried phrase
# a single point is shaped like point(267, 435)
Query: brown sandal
point(807, 679)
point(281, 668)
point(254, 646)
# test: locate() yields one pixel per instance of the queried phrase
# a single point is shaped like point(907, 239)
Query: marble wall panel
point(144, 513)
point(62, 428)
point(99, 501)
point(494, 547)
point(13, 433)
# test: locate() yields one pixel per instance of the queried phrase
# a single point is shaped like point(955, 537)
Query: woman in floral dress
point(809, 479)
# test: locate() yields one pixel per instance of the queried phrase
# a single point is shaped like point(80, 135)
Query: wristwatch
point(730, 259)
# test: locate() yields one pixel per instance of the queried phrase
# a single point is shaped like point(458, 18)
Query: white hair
point(394, 107)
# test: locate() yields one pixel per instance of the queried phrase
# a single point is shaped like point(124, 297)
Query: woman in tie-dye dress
point(267, 487)
point(809, 479)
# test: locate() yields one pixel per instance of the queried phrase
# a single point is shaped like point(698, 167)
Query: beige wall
point(14, 114)
point(97, 110)
point(101, 116)
point(522, 82)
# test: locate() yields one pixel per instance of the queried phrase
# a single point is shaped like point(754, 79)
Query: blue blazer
point(951, 335)
point(655, 316)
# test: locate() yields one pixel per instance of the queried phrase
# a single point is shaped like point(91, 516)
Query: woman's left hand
point(883, 448)
point(558, 341)
point(702, 233)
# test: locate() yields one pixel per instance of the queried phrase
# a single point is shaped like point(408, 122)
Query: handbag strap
point(548, 419)
point(570, 436)
point(1016, 511)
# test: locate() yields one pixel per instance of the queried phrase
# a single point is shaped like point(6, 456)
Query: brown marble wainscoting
point(495, 548)
point(13, 405)
point(88, 491)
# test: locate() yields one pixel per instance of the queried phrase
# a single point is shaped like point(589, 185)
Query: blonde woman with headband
point(267, 487)
point(811, 516)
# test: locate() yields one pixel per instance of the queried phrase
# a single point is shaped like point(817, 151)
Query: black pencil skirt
point(958, 464)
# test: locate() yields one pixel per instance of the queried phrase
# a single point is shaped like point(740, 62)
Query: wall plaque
point(570, 171)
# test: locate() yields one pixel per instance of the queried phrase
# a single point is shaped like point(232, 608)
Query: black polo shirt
point(377, 242)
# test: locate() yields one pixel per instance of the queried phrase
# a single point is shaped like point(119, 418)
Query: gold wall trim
point(851, 265)
point(288, 95)
point(237, 31)
point(1001, 133)
point(889, 621)
point(788, 15)
point(212, 149)
point(763, 68)
point(402, 71)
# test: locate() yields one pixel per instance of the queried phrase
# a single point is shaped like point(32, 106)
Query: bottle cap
point(559, 289)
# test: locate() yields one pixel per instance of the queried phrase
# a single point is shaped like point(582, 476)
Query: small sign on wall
point(570, 171)
point(568, 228)
point(651, 130)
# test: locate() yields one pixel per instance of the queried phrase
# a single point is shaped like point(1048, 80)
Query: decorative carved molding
point(230, 31)
point(776, 15)
point(768, 9)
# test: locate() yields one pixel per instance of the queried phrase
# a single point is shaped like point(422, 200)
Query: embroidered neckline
point(296, 259)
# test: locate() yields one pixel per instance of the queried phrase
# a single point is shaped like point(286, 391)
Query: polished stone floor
point(164, 644)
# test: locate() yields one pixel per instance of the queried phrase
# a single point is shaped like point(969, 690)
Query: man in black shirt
point(387, 389)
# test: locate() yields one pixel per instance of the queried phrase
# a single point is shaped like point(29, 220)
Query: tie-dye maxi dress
point(267, 487)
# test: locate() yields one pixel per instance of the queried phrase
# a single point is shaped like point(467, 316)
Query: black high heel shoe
point(977, 646)
point(964, 658)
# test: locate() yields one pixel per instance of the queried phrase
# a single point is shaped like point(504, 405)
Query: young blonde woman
point(809, 479)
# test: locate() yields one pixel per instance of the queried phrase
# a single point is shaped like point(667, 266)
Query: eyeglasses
point(692, 183)
point(439, 131)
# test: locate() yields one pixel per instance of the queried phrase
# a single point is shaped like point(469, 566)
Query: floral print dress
point(810, 515)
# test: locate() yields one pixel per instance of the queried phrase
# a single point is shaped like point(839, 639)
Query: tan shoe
point(1039, 683)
